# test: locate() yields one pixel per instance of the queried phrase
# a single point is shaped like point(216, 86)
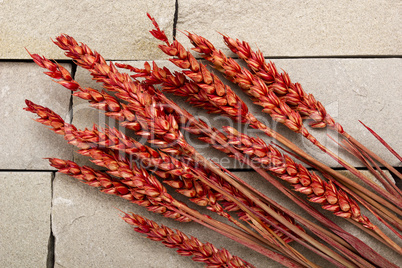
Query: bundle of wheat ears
point(140, 172)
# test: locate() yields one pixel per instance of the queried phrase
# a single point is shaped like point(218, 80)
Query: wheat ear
point(298, 176)
point(186, 246)
point(110, 185)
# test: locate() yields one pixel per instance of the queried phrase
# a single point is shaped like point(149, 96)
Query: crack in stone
point(51, 242)
point(70, 105)
point(83, 216)
point(62, 266)
point(175, 18)
point(76, 219)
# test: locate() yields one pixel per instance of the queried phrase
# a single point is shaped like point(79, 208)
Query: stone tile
point(89, 232)
point(348, 88)
point(25, 142)
point(351, 91)
point(25, 199)
point(298, 28)
point(116, 30)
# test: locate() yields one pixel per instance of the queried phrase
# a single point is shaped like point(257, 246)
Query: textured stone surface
point(89, 232)
point(298, 28)
point(25, 199)
point(352, 90)
point(119, 30)
point(349, 89)
point(25, 142)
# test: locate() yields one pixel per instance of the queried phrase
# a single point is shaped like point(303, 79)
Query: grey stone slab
point(25, 199)
point(118, 30)
point(354, 89)
point(298, 28)
point(89, 232)
point(24, 142)
point(350, 89)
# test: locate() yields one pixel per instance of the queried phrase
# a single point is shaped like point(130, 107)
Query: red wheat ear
point(186, 246)
point(110, 185)
point(299, 177)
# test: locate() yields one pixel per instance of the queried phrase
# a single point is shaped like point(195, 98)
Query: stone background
point(347, 53)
